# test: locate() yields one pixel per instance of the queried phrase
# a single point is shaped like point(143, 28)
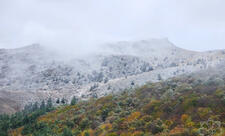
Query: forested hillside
point(184, 106)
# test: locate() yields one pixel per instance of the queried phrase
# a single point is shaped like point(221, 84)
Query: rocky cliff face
point(33, 73)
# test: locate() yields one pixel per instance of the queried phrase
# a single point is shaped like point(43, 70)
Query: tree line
point(29, 115)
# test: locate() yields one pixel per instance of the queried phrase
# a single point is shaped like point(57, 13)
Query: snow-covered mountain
point(33, 73)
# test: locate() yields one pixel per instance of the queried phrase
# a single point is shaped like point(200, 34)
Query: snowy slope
point(33, 73)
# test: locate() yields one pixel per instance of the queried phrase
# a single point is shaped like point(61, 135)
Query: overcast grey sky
point(190, 24)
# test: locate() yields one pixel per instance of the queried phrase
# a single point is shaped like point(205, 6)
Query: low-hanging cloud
point(79, 25)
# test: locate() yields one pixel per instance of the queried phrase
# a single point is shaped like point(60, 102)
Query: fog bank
point(80, 25)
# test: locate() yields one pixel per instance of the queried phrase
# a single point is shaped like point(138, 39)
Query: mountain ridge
point(38, 74)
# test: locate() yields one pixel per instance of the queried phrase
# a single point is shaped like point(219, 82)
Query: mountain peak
point(147, 47)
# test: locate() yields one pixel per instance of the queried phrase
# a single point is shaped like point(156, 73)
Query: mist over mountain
point(34, 72)
point(112, 68)
point(115, 93)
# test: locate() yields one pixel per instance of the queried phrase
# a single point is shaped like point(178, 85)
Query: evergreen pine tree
point(42, 106)
point(35, 106)
point(49, 104)
point(58, 101)
point(63, 101)
point(74, 100)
